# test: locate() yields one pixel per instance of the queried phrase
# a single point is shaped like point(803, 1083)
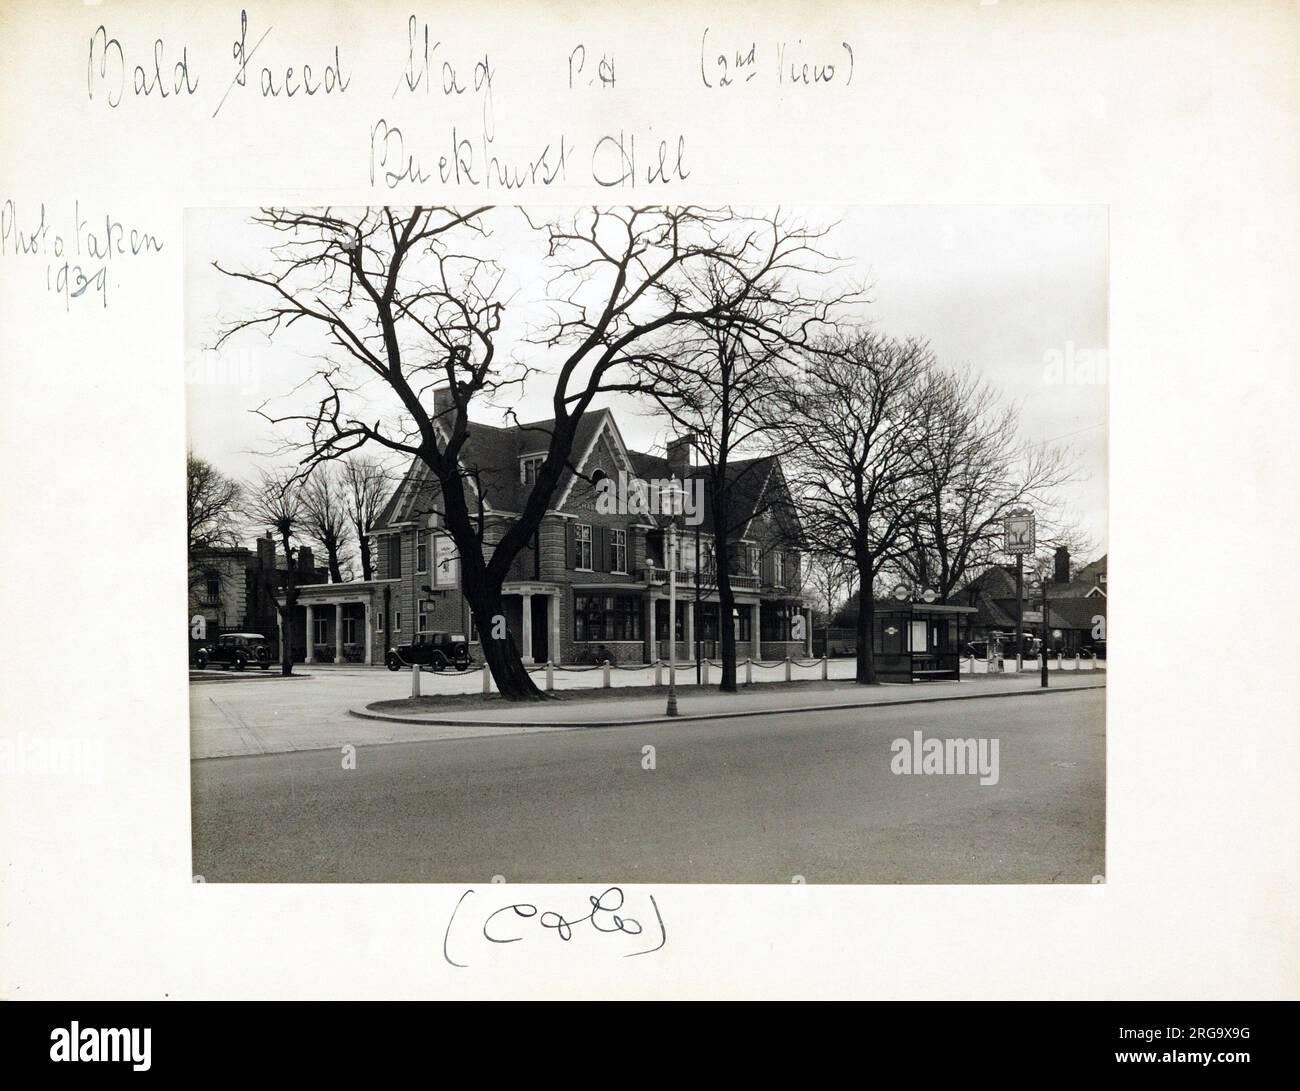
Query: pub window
point(394, 555)
point(529, 466)
point(774, 623)
point(582, 546)
point(778, 568)
point(422, 616)
point(421, 552)
point(322, 630)
point(618, 550)
point(213, 586)
point(626, 622)
point(606, 617)
point(379, 621)
point(588, 617)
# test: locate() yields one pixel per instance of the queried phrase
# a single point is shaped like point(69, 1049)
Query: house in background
point(233, 590)
point(592, 584)
point(1076, 604)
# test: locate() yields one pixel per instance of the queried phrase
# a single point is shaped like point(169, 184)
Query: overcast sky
point(1017, 292)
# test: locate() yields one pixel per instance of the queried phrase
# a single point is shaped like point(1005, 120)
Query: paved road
point(755, 800)
point(255, 713)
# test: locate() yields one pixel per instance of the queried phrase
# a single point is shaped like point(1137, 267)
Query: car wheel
point(266, 666)
point(200, 663)
point(462, 667)
point(239, 664)
point(393, 663)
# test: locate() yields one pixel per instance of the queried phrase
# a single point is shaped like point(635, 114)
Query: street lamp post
point(1043, 585)
point(672, 620)
point(696, 622)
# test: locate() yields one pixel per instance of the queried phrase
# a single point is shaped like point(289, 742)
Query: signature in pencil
point(518, 921)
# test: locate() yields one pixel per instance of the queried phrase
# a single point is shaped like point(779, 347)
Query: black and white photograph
point(594, 502)
point(667, 544)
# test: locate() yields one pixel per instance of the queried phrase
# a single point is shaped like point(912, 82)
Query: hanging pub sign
point(446, 562)
point(1018, 533)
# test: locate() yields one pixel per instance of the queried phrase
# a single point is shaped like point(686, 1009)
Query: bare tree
point(414, 299)
point(365, 489)
point(858, 412)
point(833, 576)
point(212, 509)
point(325, 515)
point(721, 382)
point(276, 502)
point(973, 469)
point(1042, 565)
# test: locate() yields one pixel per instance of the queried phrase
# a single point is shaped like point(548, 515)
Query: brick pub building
point(592, 584)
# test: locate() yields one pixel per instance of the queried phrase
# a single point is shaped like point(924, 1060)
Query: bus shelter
point(919, 641)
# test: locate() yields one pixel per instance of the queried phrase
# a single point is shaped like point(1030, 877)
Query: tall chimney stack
point(679, 455)
point(266, 553)
point(1062, 573)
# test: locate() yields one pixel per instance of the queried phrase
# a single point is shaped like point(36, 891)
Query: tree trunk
point(286, 644)
point(364, 539)
point(511, 677)
point(336, 573)
point(286, 613)
point(726, 607)
point(866, 626)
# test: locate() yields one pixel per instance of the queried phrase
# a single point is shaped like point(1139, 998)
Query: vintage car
point(235, 651)
point(432, 651)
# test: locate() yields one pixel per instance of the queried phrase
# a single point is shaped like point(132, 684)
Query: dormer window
point(529, 467)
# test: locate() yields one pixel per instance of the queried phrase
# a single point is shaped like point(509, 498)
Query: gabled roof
point(992, 613)
point(748, 482)
point(490, 458)
point(1086, 581)
point(996, 581)
point(590, 428)
point(491, 454)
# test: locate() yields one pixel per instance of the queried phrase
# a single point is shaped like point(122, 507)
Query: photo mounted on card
point(660, 544)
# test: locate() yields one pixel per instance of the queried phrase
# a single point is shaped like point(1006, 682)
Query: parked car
point(235, 651)
point(1004, 644)
point(436, 651)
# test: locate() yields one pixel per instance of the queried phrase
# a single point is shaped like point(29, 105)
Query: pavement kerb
point(362, 714)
